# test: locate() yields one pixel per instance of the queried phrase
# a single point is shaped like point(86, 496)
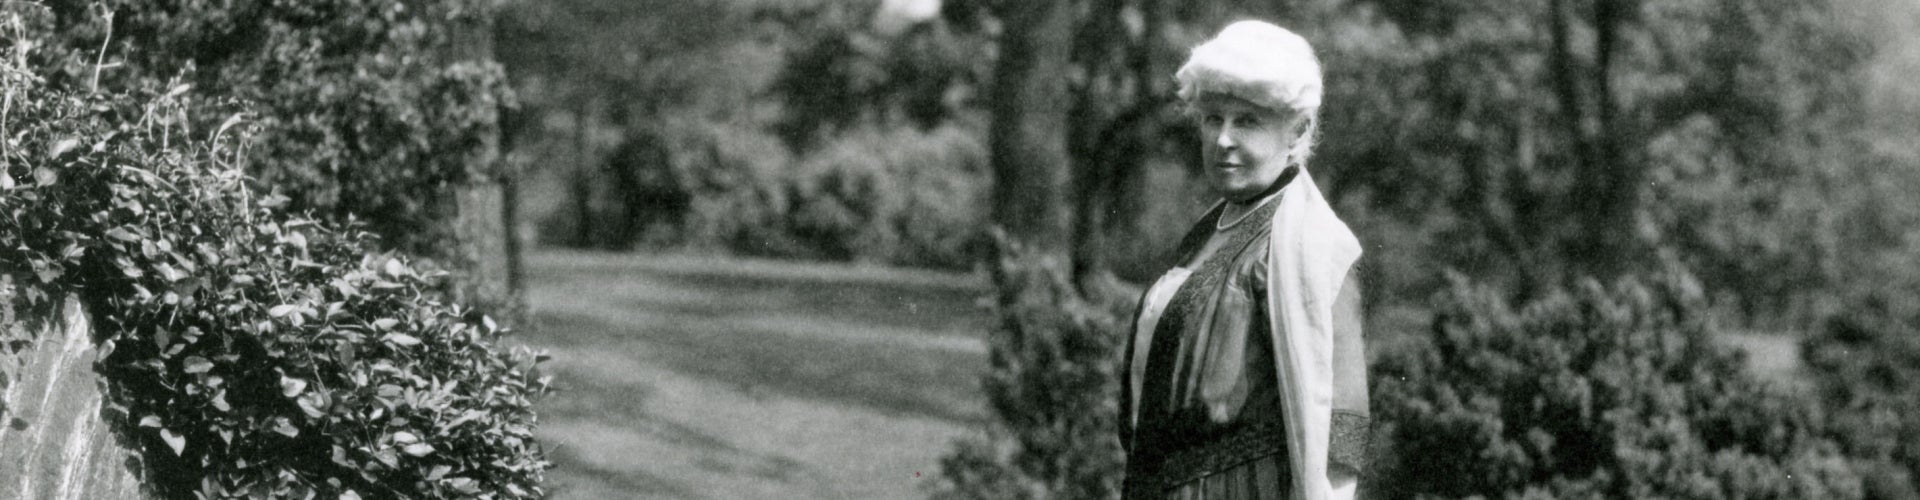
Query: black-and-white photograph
point(960, 249)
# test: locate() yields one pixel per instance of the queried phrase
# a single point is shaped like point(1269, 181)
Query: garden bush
point(248, 351)
point(1054, 387)
point(363, 109)
point(898, 196)
point(1593, 392)
point(1866, 368)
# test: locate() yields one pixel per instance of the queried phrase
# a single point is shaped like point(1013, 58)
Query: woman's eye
point(1249, 121)
point(1213, 120)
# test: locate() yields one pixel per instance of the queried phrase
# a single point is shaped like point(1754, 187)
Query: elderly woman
point(1246, 377)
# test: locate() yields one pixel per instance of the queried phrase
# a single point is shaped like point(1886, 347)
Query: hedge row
point(247, 350)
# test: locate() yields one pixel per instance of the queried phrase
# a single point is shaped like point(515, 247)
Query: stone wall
point(53, 442)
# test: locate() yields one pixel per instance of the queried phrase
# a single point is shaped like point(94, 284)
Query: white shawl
point(1311, 253)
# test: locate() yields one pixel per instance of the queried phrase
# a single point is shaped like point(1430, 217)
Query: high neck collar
point(1250, 206)
point(1286, 177)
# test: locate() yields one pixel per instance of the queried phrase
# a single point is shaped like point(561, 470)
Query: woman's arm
point(1347, 451)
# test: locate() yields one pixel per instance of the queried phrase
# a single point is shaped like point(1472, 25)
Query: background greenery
point(1608, 181)
point(1736, 166)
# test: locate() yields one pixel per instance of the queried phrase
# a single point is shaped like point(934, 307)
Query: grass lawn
point(706, 377)
point(693, 377)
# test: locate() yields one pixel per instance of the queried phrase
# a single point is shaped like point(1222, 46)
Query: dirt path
point(688, 377)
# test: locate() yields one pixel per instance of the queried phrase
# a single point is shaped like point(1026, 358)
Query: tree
point(1029, 101)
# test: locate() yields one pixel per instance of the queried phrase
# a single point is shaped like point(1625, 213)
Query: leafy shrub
point(248, 352)
point(1594, 392)
point(1866, 368)
point(899, 196)
point(362, 108)
point(1054, 386)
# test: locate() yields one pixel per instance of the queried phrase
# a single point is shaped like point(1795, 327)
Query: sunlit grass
point(694, 377)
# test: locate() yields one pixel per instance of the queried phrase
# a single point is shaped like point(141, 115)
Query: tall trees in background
point(1030, 100)
point(633, 78)
point(1523, 143)
point(1595, 137)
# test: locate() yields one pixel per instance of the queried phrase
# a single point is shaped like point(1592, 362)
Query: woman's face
point(1245, 146)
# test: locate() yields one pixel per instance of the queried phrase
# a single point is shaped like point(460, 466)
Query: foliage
point(1054, 386)
point(890, 72)
point(1866, 366)
point(901, 197)
point(1593, 392)
point(365, 109)
point(1555, 139)
point(247, 351)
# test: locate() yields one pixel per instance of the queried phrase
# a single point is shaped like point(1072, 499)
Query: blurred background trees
point(1528, 144)
point(1759, 150)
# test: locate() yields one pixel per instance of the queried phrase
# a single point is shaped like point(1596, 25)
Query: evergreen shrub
point(1592, 392)
point(1866, 368)
point(1054, 387)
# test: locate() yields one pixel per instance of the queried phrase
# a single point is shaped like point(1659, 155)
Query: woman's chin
point(1237, 194)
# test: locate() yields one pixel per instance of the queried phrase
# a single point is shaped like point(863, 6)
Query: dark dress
point(1208, 404)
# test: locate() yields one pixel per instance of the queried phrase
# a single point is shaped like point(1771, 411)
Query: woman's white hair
point(1264, 64)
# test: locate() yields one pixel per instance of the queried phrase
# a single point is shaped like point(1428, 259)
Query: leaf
point(285, 427)
point(405, 437)
point(170, 273)
point(175, 441)
point(403, 339)
point(62, 147)
point(122, 234)
point(275, 200)
point(6, 181)
point(291, 387)
point(312, 404)
point(231, 121)
point(282, 310)
point(150, 421)
point(349, 495)
point(418, 449)
point(385, 323)
point(395, 268)
point(45, 176)
point(196, 364)
point(438, 472)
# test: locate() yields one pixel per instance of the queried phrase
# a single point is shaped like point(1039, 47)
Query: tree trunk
point(1611, 227)
point(585, 169)
point(1029, 133)
point(482, 220)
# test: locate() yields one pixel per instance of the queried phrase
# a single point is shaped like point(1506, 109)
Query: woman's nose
point(1225, 139)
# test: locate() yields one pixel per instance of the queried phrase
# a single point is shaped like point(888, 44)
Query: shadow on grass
point(891, 379)
point(629, 482)
point(916, 307)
